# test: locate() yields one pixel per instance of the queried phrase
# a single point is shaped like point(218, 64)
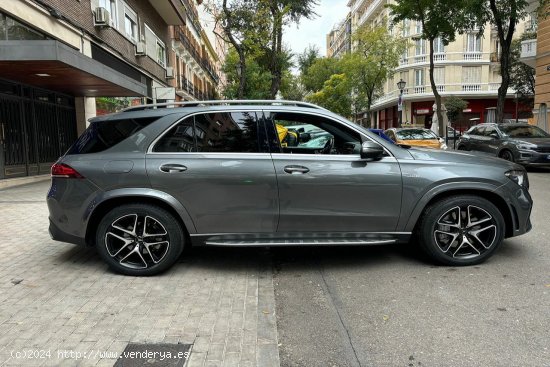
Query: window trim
point(113, 17)
point(157, 41)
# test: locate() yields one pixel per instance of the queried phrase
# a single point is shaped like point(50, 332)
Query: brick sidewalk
point(56, 296)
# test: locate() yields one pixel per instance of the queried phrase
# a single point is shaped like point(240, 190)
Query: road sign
point(165, 93)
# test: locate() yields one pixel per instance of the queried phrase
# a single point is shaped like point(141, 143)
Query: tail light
point(65, 171)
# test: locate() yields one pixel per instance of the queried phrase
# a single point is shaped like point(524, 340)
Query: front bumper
point(520, 204)
point(533, 158)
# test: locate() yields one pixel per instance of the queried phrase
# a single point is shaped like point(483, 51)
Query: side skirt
point(299, 239)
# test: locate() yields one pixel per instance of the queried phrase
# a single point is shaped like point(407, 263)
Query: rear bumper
point(58, 235)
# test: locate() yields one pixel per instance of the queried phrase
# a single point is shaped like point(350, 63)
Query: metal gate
point(36, 127)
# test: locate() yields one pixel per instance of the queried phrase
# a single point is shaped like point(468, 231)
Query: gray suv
point(142, 184)
point(521, 143)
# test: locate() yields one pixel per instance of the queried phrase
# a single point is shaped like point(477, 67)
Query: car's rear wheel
point(139, 239)
point(461, 147)
point(507, 155)
point(461, 230)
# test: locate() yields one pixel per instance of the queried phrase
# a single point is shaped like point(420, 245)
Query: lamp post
point(517, 98)
point(401, 85)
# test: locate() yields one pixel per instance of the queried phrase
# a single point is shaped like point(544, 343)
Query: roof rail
point(224, 103)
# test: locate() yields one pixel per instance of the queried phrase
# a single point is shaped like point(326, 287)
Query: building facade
point(339, 38)
point(58, 56)
point(467, 68)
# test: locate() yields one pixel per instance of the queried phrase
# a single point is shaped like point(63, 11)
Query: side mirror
point(371, 151)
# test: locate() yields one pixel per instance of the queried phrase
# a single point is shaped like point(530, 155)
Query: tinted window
point(178, 139)
point(523, 131)
point(489, 130)
point(415, 134)
point(310, 134)
point(227, 132)
point(102, 135)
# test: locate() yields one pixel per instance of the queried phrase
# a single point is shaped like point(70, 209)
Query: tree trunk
point(505, 83)
point(439, 113)
point(242, 76)
point(242, 59)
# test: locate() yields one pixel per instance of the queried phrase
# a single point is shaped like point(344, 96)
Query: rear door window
point(102, 135)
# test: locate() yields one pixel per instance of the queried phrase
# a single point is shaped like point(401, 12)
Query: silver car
point(142, 184)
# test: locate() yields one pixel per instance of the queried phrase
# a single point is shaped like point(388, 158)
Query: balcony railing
point(202, 61)
point(472, 55)
point(471, 87)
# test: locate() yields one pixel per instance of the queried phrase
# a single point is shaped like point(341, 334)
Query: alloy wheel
point(465, 232)
point(137, 241)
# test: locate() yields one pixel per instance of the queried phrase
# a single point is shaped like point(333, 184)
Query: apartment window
point(418, 28)
point(406, 27)
point(11, 29)
point(473, 43)
point(420, 47)
point(419, 77)
point(111, 6)
point(439, 47)
point(471, 74)
point(439, 76)
point(156, 49)
point(130, 24)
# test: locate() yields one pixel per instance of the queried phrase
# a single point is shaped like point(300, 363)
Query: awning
point(53, 65)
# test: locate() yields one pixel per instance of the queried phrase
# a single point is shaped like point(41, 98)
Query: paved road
point(60, 298)
point(388, 306)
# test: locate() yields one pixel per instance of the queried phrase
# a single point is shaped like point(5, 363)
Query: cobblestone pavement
point(61, 298)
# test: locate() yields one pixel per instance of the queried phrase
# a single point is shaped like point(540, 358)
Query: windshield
point(523, 131)
point(415, 134)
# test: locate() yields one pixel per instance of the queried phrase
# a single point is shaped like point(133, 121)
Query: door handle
point(296, 170)
point(171, 168)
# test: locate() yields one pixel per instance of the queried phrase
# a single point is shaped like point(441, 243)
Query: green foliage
point(292, 88)
point(258, 79)
point(522, 76)
point(319, 72)
point(455, 106)
point(374, 59)
point(335, 95)
point(307, 58)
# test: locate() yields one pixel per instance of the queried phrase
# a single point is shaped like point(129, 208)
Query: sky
point(314, 31)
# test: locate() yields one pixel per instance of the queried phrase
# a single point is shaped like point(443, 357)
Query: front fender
point(410, 221)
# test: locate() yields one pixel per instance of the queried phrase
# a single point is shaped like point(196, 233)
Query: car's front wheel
point(461, 230)
point(139, 239)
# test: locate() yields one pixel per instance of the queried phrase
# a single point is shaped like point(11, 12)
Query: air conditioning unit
point(102, 18)
point(140, 49)
point(169, 72)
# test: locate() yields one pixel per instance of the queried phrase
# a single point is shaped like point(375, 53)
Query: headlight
point(527, 146)
point(519, 177)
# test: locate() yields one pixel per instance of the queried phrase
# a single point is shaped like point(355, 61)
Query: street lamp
point(401, 86)
point(517, 97)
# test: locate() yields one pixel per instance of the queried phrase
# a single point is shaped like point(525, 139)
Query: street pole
point(400, 109)
point(517, 117)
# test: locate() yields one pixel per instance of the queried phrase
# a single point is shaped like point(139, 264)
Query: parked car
point(522, 143)
point(417, 137)
point(381, 134)
point(142, 184)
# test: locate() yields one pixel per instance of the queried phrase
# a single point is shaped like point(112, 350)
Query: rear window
point(102, 135)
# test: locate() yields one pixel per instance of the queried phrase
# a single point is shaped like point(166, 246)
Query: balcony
point(191, 48)
point(529, 52)
point(472, 55)
point(171, 11)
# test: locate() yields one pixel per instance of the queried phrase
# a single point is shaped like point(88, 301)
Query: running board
point(289, 242)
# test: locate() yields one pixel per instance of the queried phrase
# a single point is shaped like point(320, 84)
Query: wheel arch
point(491, 195)
point(112, 200)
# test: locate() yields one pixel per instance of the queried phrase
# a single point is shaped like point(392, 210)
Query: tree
point(307, 58)
point(374, 59)
point(319, 72)
point(441, 20)
point(292, 88)
point(283, 12)
point(503, 15)
point(455, 106)
point(243, 23)
point(256, 78)
point(335, 95)
point(522, 76)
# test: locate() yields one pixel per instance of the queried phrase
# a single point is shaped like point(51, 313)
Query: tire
point(472, 244)
point(157, 233)
point(507, 155)
point(461, 147)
